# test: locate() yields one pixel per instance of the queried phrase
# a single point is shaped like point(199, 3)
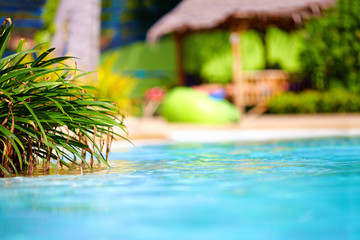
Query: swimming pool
point(303, 189)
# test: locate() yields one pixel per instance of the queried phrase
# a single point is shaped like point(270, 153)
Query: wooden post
point(263, 40)
point(235, 40)
point(180, 73)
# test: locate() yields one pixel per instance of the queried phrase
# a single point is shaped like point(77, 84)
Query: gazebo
point(236, 16)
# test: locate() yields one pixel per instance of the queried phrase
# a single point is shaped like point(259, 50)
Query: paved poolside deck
point(251, 128)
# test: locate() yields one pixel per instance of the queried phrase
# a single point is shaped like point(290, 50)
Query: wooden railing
point(259, 86)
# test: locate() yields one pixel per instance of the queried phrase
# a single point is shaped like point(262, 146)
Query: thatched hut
point(235, 16)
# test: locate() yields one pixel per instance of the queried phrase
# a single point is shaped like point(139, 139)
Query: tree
point(78, 31)
point(331, 54)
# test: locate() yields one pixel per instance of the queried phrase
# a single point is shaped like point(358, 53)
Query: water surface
point(308, 189)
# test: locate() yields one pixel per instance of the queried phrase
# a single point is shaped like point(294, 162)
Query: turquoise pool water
point(308, 189)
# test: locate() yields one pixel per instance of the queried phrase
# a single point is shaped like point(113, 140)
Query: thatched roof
point(195, 15)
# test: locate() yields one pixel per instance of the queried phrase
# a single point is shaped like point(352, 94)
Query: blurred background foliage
point(209, 56)
point(114, 86)
point(312, 101)
point(284, 49)
point(48, 14)
point(145, 66)
point(326, 51)
point(331, 55)
point(324, 56)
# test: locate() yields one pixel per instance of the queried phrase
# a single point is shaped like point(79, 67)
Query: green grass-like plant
point(45, 116)
point(311, 101)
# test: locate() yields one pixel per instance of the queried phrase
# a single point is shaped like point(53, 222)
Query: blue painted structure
point(24, 13)
point(127, 20)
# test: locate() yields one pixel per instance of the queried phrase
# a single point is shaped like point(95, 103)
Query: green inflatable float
point(188, 105)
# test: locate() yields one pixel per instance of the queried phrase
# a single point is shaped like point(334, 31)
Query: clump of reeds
point(46, 117)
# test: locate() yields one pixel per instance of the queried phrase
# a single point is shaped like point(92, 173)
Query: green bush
point(284, 49)
point(209, 55)
point(339, 101)
point(290, 102)
point(331, 54)
point(200, 47)
point(218, 69)
point(46, 117)
point(315, 102)
point(217, 66)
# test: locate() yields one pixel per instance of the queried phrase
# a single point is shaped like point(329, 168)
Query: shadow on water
point(116, 167)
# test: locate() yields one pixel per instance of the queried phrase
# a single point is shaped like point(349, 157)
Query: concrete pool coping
point(251, 128)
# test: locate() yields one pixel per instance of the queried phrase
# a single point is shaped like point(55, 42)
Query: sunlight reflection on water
point(305, 189)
